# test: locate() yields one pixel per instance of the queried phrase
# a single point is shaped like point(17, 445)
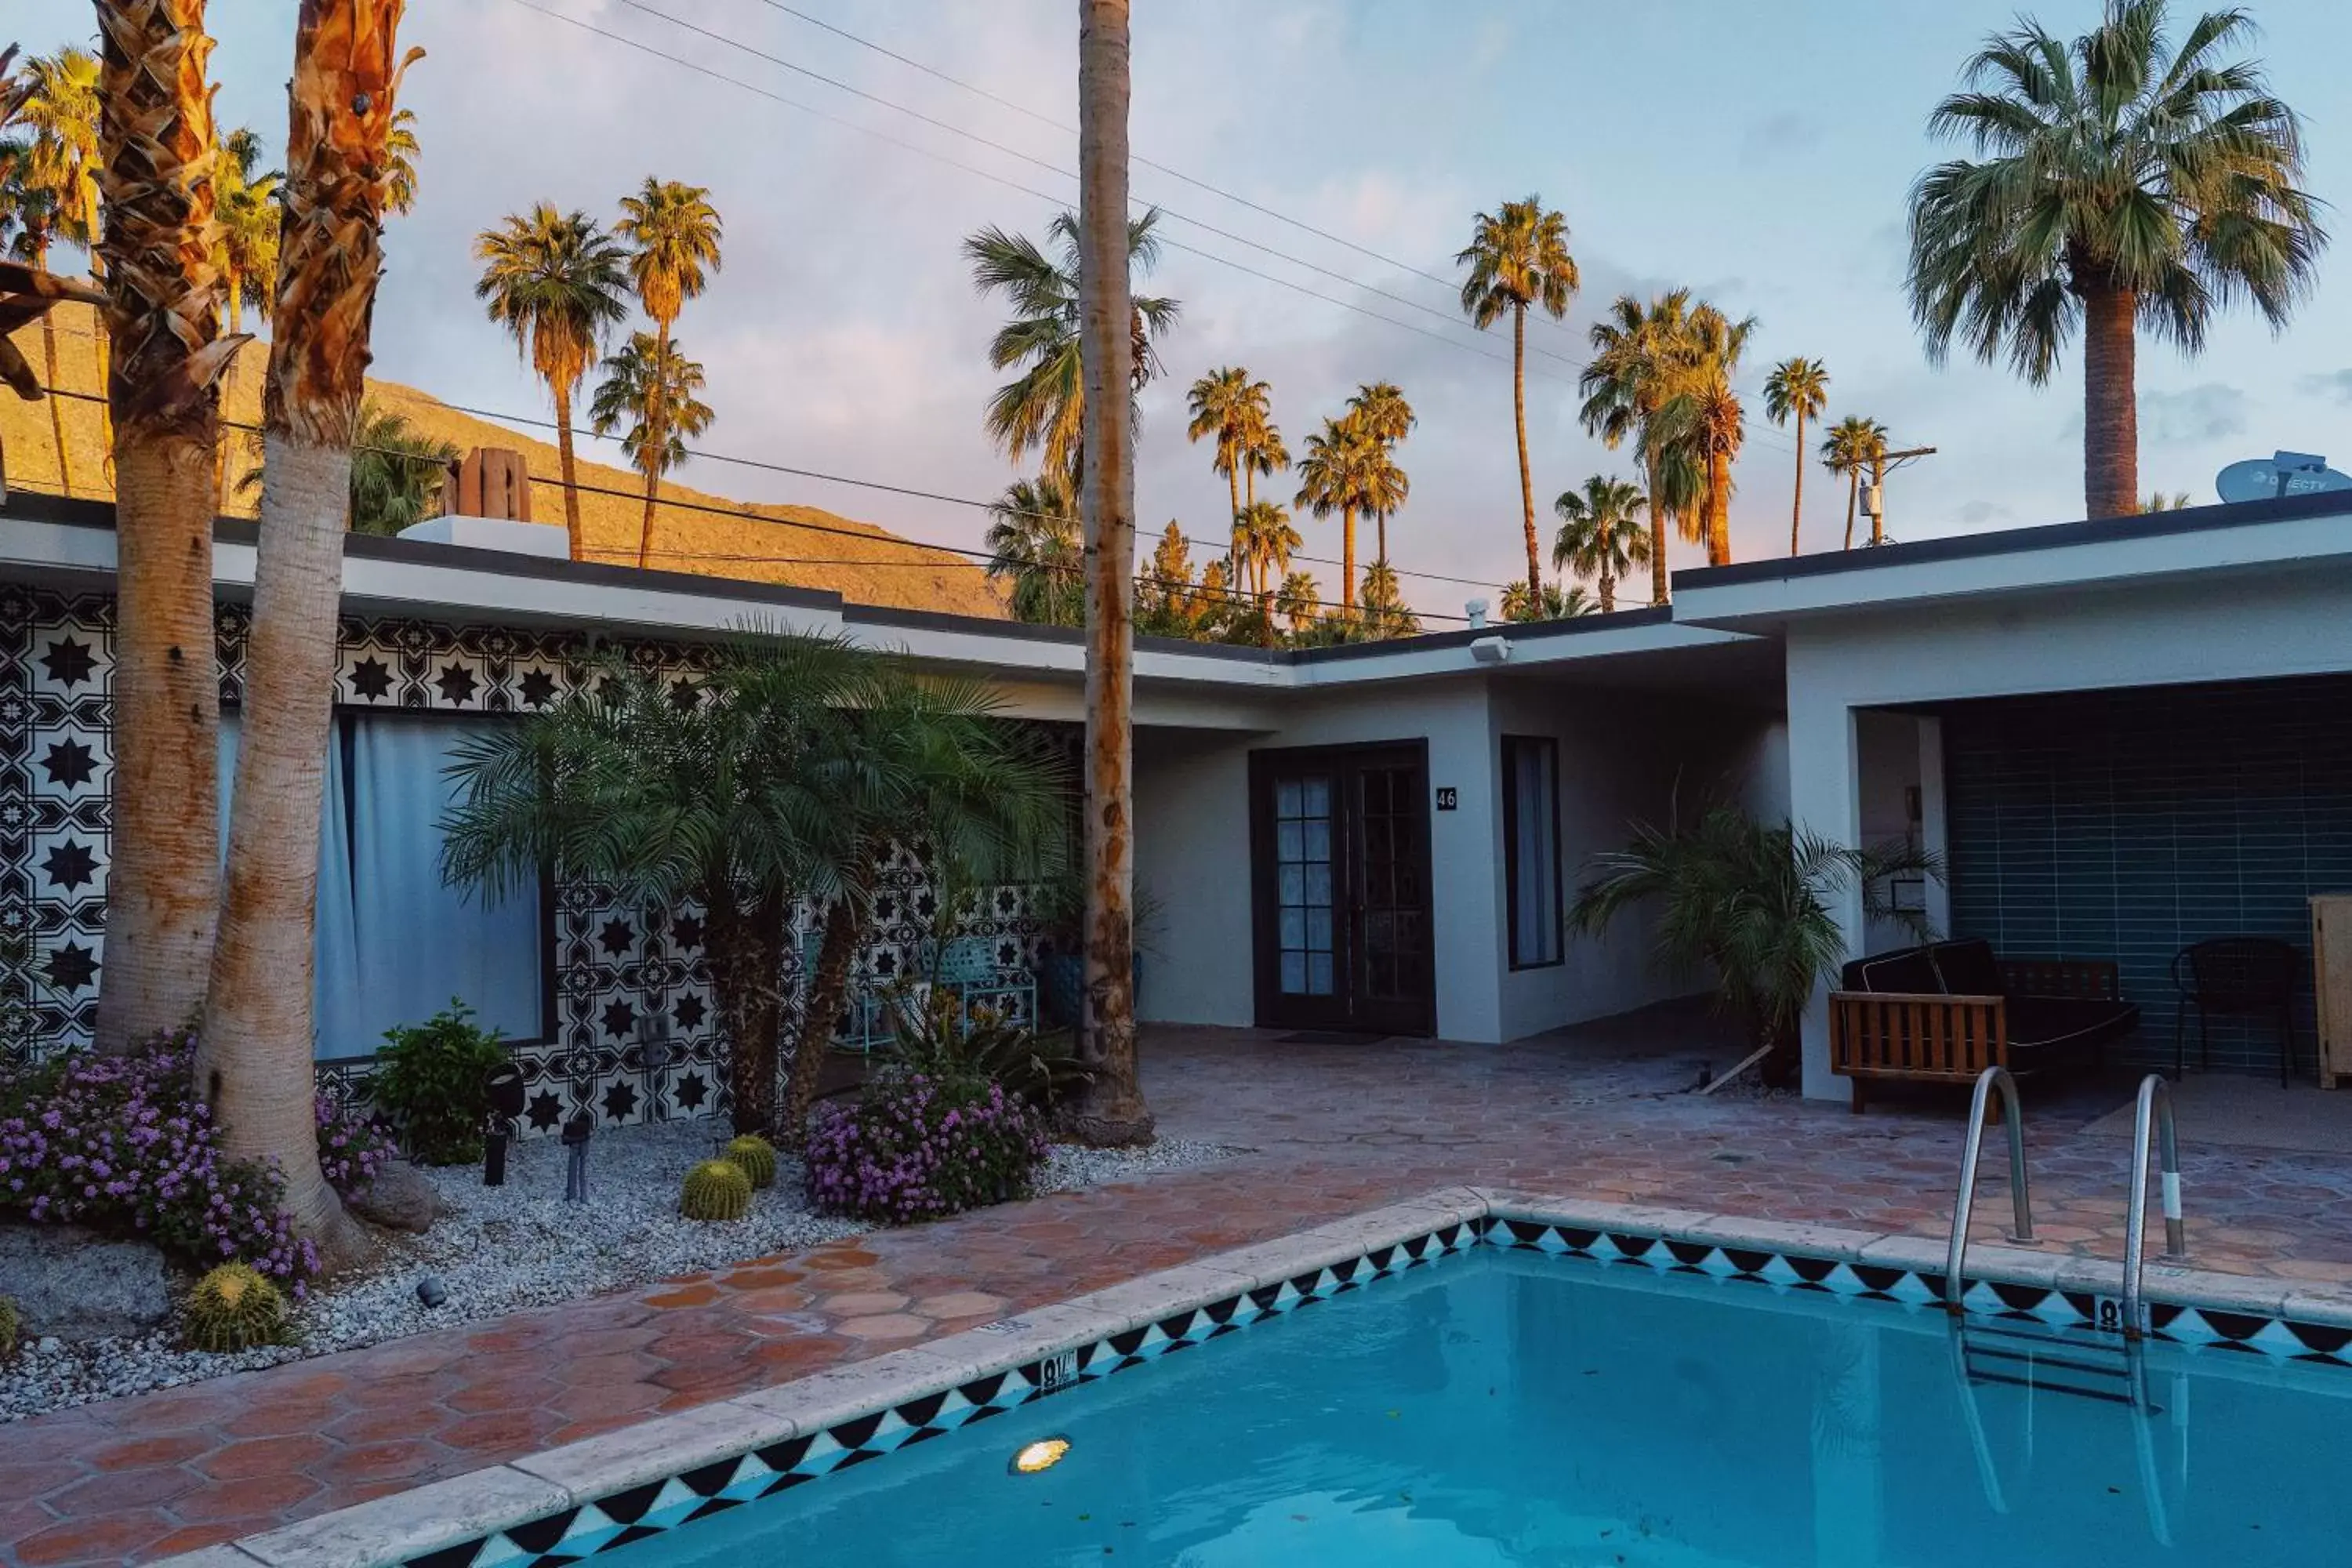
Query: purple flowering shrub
point(918, 1145)
point(122, 1144)
point(351, 1147)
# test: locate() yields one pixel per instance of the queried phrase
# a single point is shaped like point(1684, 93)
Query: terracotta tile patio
point(1330, 1130)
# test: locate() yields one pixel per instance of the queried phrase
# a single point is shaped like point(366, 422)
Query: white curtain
point(420, 942)
point(334, 952)
point(394, 946)
point(1534, 835)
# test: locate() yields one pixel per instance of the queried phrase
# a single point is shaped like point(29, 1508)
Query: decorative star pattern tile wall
point(635, 1028)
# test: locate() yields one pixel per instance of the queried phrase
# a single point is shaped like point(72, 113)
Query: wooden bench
point(1945, 1012)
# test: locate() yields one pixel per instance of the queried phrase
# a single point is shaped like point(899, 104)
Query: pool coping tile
point(405, 1525)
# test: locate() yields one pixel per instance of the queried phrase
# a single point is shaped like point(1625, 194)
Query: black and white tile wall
point(635, 1030)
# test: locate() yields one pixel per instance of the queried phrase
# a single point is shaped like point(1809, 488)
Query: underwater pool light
point(1039, 1456)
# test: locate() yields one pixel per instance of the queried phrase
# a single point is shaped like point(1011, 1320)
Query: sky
point(1760, 156)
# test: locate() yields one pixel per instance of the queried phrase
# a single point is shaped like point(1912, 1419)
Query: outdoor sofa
point(1946, 1011)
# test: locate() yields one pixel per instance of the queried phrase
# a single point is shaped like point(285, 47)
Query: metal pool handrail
point(1987, 1081)
point(2155, 1106)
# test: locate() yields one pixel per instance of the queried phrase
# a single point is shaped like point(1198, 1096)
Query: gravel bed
point(499, 1250)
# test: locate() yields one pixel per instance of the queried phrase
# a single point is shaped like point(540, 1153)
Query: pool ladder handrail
point(2021, 1200)
point(2152, 1114)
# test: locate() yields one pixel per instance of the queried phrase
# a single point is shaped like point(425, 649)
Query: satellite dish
point(2278, 475)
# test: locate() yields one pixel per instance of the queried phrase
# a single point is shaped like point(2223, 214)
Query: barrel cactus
point(715, 1189)
point(10, 1327)
point(235, 1309)
point(758, 1158)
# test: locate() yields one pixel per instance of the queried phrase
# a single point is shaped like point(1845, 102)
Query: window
point(1531, 849)
point(1302, 863)
point(394, 943)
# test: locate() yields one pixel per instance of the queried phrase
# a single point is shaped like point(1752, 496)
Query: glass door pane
point(1303, 896)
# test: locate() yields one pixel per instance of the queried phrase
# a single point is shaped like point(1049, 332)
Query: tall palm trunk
point(57, 405)
point(1797, 507)
point(1520, 424)
point(1607, 584)
point(746, 965)
point(259, 1022)
point(658, 444)
point(1718, 507)
point(1380, 522)
point(1852, 498)
point(1110, 1110)
point(2110, 410)
point(156, 144)
point(570, 482)
point(1348, 561)
point(828, 988)
point(1234, 552)
point(1657, 528)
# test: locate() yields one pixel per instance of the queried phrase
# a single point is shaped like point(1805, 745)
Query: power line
point(1449, 318)
point(1447, 283)
point(1063, 202)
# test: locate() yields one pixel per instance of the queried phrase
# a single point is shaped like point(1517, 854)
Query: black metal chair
point(2242, 977)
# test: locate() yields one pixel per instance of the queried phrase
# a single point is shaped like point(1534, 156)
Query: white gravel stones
point(499, 1250)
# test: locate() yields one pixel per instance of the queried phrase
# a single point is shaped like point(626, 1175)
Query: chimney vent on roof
point(489, 501)
point(493, 482)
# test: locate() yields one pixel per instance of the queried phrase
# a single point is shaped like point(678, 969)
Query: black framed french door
point(1339, 874)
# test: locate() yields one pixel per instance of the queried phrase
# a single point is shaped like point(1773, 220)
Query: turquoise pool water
point(1506, 1407)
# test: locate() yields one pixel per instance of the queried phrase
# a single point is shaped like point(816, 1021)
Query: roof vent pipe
point(1476, 610)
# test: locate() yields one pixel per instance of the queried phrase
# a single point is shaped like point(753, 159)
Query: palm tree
point(1601, 534)
point(1043, 408)
point(1225, 403)
point(1269, 542)
point(1518, 258)
point(2159, 501)
point(1797, 389)
point(1643, 361)
point(1746, 903)
point(926, 759)
point(245, 202)
point(402, 153)
point(674, 233)
point(256, 1050)
point(1853, 445)
point(1386, 614)
point(61, 106)
point(1379, 407)
point(554, 280)
point(397, 471)
point(1554, 602)
point(1112, 335)
point(1336, 476)
point(1300, 601)
point(31, 208)
point(2121, 183)
point(1033, 542)
point(150, 161)
point(650, 386)
point(716, 801)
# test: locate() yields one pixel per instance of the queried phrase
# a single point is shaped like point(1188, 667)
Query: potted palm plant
point(1747, 900)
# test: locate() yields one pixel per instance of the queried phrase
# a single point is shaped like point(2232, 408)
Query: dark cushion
point(1968, 967)
point(1906, 970)
point(2053, 1023)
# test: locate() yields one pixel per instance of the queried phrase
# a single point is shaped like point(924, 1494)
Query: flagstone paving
point(1330, 1129)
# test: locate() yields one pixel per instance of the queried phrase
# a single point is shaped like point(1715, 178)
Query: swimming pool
point(1511, 1407)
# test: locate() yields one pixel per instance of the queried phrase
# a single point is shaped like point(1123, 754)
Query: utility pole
point(1873, 501)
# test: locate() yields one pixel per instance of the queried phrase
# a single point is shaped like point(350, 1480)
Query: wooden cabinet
point(2331, 981)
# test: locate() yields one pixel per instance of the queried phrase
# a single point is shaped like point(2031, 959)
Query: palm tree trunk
point(1853, 496)
point(1797, 507)
point(1234, 533)
point(655, 445)
point(570, 482)
point(1380, 520)
point(1718, 508)
point(828, 988)
point(256, 1056)
point(1520, 424)
point(1110, 1110)
point(1608, 582)
point(2110, 412)
point(154, 167)
point(1657, 530)
point(57, 404)
point(1347, 561)
point(746, 965)
point(1878, 518)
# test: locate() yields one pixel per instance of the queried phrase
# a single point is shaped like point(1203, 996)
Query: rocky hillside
point(868, 565)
